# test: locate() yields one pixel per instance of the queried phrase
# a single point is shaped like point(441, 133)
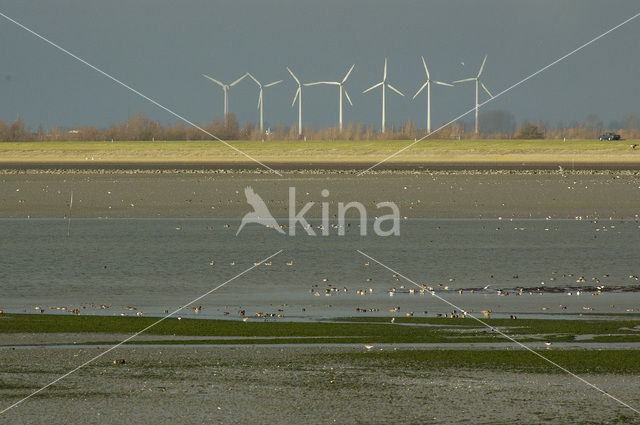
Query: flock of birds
point(329, 290)
point(593, 286)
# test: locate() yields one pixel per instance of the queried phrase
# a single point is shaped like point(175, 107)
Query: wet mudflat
point(530, 244)
point(294, 385)
point(419, 194)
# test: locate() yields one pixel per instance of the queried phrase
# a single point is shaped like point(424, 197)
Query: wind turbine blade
point(347, 96)
point(273, 84)
point(213, 79)
point(348, 73)
point(373, 87)
point(394, 89)
point(425, 68)
point(464, 81)
point(238, 80)
point(421, 88)
point(482, 66)
point(260, 99)
point(331, 83)
point(296, 96)
point(384, 75)
point(253, 78)
point(486, 89)
point(443, 84)
point(294, 76)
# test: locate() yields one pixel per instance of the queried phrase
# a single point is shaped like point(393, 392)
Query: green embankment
point(323, 151)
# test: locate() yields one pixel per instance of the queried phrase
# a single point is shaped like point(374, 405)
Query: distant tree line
point(496, 124)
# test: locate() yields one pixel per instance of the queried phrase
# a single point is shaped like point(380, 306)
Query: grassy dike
point(323, 151)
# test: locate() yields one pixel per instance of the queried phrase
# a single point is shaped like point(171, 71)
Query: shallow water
point(158, 264)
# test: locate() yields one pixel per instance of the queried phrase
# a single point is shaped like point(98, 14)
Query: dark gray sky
point(161, 47)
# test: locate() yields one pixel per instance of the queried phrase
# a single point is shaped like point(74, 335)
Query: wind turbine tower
point(225, 88)
point(260, 97)
point(427, 84)
point(343, 90)
point(384, 85)
point(478, 83)
point(298, 97)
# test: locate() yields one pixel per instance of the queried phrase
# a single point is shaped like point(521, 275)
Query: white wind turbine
point(427, 84)
point(384, 85)
point(225, 88)
point(297, 97)
point(478, 82)
point(260, 97)
point(342, 90)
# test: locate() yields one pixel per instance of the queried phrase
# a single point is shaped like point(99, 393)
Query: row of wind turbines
point(342, 94)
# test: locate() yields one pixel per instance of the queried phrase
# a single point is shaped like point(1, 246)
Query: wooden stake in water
point(69, 223)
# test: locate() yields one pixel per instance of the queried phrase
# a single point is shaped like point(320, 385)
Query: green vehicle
point(610, 136)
